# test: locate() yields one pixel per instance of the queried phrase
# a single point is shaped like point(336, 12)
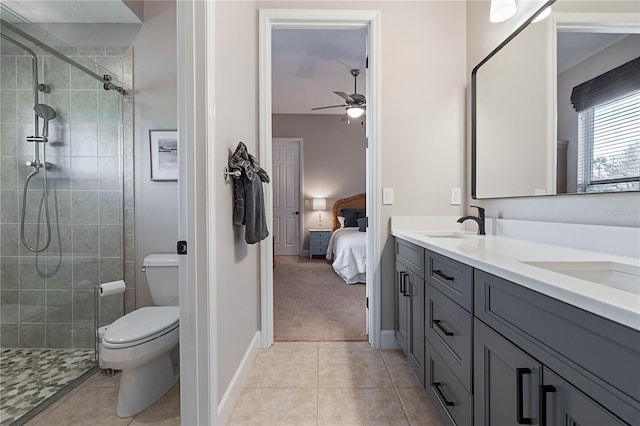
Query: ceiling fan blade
point(332, 106)
point(345, 97)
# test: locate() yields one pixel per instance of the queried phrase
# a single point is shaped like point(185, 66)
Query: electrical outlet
point(455, 196)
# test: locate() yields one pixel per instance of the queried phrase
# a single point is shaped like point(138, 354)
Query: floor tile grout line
point(395, 388)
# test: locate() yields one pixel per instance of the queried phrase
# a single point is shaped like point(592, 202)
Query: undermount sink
point(612, 274)
point(448, 234)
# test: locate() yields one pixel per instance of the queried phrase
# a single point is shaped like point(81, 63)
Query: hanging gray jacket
point(248, 206)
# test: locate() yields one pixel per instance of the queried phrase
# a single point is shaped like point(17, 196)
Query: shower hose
point(45, 199)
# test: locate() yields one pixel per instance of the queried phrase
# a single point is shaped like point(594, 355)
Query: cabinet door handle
point(520, 418)
point(405, 291)
point(438, 324)
point(444, 399)
point(401, 279)
point(544, 390)
point(442, 275)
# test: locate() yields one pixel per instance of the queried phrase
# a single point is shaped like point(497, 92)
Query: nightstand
point(318, 241)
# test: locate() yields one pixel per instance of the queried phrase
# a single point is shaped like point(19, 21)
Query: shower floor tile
point(28, 376)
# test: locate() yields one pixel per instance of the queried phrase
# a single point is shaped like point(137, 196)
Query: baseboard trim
point(388, 340)
point(231, 395)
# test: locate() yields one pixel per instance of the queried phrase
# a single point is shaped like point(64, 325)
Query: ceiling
point(575, 47)
point(308, 65)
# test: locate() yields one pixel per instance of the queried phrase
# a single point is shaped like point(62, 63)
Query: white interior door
point(286, 196)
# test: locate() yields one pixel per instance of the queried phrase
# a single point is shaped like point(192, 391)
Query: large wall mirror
point(556, 107)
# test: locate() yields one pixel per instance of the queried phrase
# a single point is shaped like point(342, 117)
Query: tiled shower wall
point(47, 299)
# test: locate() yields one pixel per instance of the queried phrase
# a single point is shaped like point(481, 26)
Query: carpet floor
point(312, 303)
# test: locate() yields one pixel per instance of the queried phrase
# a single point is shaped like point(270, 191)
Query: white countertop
point(503, 257)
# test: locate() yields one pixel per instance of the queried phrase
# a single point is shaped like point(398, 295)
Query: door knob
point(296, 212)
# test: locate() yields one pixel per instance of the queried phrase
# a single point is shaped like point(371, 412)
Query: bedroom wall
point(622, 209)
point(334, 163)
point(611, 57)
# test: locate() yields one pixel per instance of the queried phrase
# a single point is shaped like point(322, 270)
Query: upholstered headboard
point(355, 202)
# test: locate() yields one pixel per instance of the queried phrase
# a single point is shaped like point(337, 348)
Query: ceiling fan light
point(355, 111)
point(501, 10)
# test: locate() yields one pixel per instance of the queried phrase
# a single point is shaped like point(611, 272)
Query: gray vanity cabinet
point(409, 298)
point(402, 307)
point(593, 363)
point(506, 381)
point(561, 403)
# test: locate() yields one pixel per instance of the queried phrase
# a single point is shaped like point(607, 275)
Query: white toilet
point(144, 343)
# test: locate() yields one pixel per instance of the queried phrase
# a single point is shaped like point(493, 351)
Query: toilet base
point(141, 387)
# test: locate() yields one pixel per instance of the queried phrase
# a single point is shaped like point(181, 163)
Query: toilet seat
point(141, 325)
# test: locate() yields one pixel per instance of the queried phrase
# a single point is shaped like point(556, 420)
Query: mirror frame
point(567, 20)
point(473, 100)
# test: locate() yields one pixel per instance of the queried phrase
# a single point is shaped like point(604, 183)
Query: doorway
point(314, 19)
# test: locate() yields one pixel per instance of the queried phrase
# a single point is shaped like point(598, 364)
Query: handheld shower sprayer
point(47, 114)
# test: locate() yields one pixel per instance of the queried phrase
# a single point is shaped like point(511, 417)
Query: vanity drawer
point(449, 394)
point(449, 329)
point(451, 277)
point(411, 255)
point(598, 356)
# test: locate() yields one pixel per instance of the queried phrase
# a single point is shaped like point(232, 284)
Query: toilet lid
point(142, 324)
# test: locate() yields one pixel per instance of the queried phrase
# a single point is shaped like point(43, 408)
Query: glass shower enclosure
point(61, 211)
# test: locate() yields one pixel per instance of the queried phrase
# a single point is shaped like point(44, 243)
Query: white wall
point(606, 209)
point(155, 81)
point(423, 60)
point(334, 163)
point(236, 110)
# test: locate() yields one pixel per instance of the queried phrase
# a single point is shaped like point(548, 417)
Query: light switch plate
point(387, 195)
point(455, 196)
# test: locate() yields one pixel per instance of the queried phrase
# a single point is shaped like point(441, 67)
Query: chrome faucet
point(479, 220)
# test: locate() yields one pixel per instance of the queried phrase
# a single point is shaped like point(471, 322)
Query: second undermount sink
point(612, 274)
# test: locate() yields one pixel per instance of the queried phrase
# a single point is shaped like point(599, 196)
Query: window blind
point(606, 87)
point(609, 146)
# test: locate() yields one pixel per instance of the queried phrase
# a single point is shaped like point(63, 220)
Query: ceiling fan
point(355, 103)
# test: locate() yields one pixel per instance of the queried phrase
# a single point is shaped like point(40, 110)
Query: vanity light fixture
point(355, 111)
point(501, 10)
point(319, 204)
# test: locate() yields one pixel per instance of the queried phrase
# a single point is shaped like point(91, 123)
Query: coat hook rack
point(235, 173)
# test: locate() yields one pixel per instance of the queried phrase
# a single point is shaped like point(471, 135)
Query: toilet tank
point(162, 275)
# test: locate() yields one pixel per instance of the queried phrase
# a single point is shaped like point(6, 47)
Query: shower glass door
point(63, 235)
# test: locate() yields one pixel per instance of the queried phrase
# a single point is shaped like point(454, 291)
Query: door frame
point(301, 209)
point(324, 19)
point(196, 212)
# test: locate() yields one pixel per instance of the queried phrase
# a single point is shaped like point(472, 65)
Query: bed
point(347, 247)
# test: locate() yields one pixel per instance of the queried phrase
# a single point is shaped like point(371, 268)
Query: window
point(609, 146)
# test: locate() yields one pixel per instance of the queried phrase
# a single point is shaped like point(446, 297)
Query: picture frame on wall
point(163, 146)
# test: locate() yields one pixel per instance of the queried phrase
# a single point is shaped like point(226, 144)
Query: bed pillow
point(362, 224)
point(351, 217)
point(341, 221)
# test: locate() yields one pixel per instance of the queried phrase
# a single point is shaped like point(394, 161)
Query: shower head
point(46, 113)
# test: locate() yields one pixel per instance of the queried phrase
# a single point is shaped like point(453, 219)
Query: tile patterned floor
point(301, 383)
point(332, 383)
point(94, 401)
point(29, 376)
